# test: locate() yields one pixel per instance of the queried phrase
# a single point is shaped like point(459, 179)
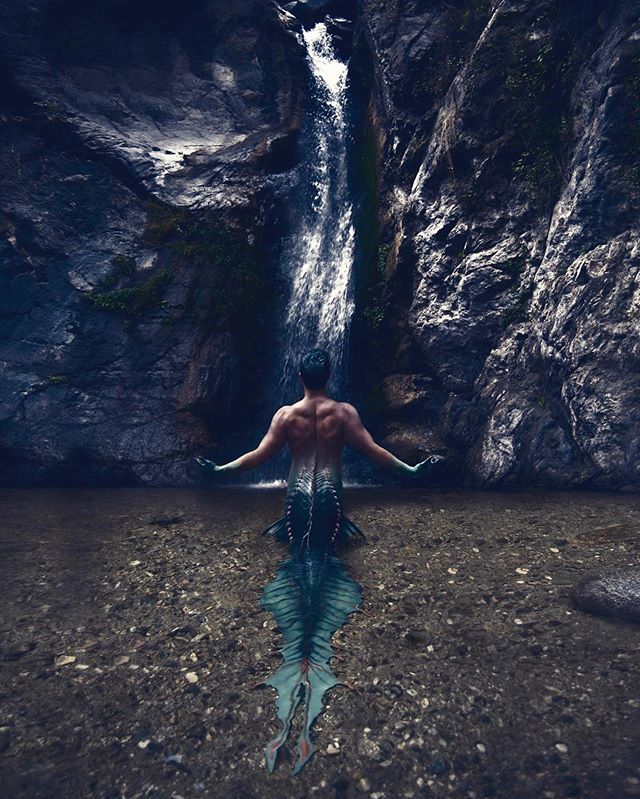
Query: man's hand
point(426, 465)
point(209, 466)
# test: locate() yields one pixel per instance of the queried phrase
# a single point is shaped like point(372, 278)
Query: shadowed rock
point(148, 148)
point(614, 592)
point(506, 266)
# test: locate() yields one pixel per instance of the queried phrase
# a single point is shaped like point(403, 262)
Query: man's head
point(314, 369)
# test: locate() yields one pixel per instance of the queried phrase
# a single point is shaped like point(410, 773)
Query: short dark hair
point(315, 368)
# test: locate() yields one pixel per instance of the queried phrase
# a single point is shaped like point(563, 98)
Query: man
point(312, 594)
point(316, 429)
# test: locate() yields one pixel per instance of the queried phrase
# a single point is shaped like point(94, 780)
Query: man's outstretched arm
point(358, 437)
point(274, 440)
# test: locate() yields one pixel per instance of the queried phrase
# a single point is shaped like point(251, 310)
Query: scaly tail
point(311, 597)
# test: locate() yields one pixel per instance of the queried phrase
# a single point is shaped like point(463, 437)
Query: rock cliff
point(504, 291)
point(148, 154)
point(147, 149)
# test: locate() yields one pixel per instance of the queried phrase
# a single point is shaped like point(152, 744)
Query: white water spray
point(318, 257)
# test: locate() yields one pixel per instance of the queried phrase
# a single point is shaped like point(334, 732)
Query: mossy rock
point(133, 301)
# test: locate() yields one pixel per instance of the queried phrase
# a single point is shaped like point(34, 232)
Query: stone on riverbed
point(614, 592)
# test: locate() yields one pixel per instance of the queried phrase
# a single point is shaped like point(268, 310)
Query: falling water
point(318, 257)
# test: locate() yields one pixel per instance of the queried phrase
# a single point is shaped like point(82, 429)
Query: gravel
point(132, 639)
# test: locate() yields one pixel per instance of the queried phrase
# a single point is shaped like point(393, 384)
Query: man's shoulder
point(334, 406)
point(282, 414)
point(345, 412)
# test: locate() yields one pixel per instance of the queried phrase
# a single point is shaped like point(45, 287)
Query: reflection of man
point(316, 429)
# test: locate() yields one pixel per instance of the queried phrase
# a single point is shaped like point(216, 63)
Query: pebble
point(191, 677)
point(64, 660)
point(439, 766)
point(16, 652)
point(332, 749)
point(481, 748)
point(562, 748)
point(177, 761)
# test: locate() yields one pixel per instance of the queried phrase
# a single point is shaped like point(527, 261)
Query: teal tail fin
point(311, 597)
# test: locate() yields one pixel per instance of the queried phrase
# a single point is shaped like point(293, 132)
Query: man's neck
point(318, 393)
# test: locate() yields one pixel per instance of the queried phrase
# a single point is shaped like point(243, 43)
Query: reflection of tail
point(310, 598)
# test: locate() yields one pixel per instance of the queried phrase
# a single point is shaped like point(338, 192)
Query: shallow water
point(472, 673)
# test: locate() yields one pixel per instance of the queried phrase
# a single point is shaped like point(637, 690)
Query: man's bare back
point(316, 429)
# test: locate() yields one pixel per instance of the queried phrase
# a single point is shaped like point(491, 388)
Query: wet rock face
point(613, 592)
point(509, 250)
point(147, 152)
point(197, 98)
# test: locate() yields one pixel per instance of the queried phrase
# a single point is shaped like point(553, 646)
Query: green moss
point(629, 141)
point(232, 289)
point(522, 88)
point(369, 344)
point(534, 84)
point(370, 277)
point(134, 301)
point(460, 29)
point(374, 306)
point(514, 266)
point(56, 380)
point(518, 311)
point(124, 264)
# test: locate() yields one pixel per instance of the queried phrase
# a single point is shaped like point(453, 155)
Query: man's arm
point(357, 436)
point(274, 440)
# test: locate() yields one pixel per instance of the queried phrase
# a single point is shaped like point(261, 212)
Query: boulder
point(610, 592)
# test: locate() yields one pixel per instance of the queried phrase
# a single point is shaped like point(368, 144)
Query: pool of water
point(133, 637)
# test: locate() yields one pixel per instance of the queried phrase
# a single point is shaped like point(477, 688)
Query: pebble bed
point(132, 639)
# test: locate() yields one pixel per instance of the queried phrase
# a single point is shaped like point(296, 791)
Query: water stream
point(318, 249)
point(318, 256)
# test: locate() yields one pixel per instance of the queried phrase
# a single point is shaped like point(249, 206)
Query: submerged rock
point(612, 592)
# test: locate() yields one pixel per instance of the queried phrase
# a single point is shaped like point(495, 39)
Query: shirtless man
point(316, 429)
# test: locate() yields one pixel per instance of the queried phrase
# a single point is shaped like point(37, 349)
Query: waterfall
point(318, 255)
point(319, 247)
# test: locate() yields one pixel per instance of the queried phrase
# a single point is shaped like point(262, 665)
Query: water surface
point(471, 672)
